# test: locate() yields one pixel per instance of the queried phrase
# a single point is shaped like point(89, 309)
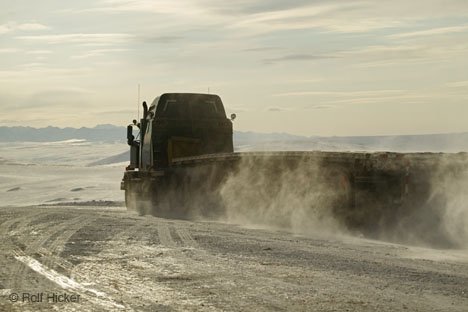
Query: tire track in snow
point(95, 296)
point(186, 238)
point(165, 236)
point(20, 277)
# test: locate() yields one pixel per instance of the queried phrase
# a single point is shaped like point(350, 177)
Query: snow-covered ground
point(58, 172)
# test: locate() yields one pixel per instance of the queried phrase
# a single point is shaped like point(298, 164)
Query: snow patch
point(67, 283)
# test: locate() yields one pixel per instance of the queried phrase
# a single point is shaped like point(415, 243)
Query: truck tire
point(144, 198)
point(134, 199)
point(130, 201)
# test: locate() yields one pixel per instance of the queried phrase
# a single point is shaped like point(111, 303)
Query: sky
point(317, 67)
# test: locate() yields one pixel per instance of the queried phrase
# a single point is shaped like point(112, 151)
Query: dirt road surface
point(107, 259)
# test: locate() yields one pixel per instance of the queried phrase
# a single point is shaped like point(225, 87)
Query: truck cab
point(182, 125)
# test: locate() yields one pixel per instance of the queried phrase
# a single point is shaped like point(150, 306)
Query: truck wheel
point(130, 200)
point(144, 199)
point(136, 199)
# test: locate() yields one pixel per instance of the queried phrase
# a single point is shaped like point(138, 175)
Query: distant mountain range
point(106, 133)
point(245, 141)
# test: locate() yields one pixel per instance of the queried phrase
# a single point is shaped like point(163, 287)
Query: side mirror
point(233, 116)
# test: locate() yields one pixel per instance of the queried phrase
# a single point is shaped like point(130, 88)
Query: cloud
point(51, 100)
point(232, 109)
point(406, 54)
point(260, 16)
point(39, 52)
point(13, 26)
point(24, 121)
point(369, 93)
point(298, 57)
point(35, 73)
point(8, 50)
point(302, 93)
point(280, 109)
point(33, 65)
point(181, 7)
point(69, 98)
point(32, 27)
point(84, 38)
point(432, 32)
point(116, 112)
point(4, 29)
point(158, 39)
point(457, 84)
point(275, 109)
point(323, 16)
point(246, 7)
point(321, 107)
point(98, 52)
point(333, 99)
point(261, 49)
point(388, 51)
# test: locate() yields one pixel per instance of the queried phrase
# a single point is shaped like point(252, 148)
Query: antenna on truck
point(138, 102)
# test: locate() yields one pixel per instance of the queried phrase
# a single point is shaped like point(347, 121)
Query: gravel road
point(89, 258)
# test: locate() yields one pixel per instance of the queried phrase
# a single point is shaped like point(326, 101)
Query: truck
point(183, 164)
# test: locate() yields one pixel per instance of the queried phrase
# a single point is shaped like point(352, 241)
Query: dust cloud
point(309, 197)
point(297, 195)
point(449, 191)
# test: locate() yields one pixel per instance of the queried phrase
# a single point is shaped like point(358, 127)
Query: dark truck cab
point(180, 125)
